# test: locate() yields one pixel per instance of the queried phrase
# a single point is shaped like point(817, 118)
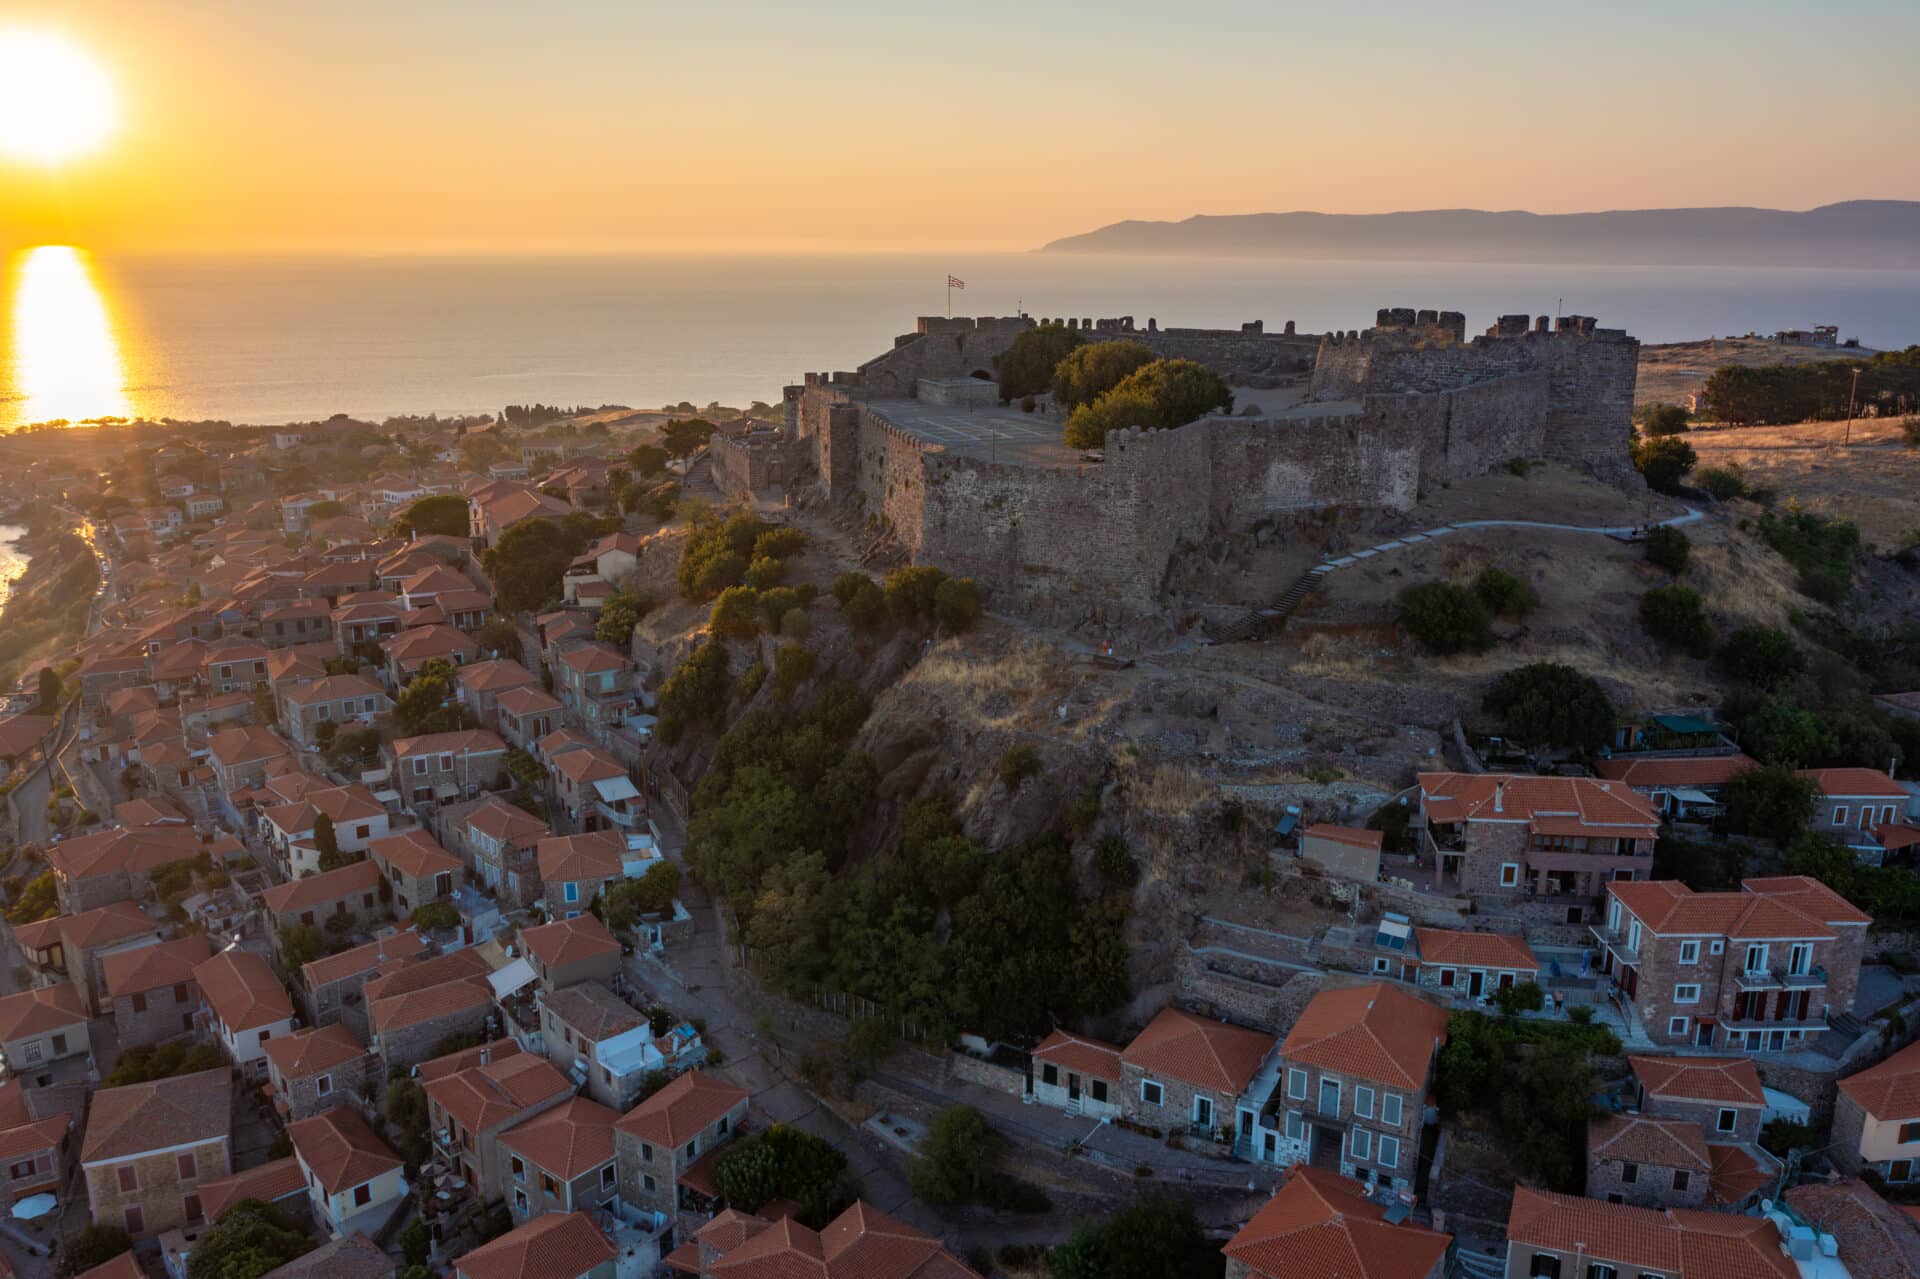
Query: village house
point(1560, 839)
point(1188, 1074)
point(423, 588)
point(77, 946)
point(351, 891)
point(345, 701)
point(1472, 966)
point(1754, 970)
point(1347, 851)
point(575, 869)
point(571, 950)
point(594, 680)
point(1356, 1070)
point(36, 1139)
point(1682, 788)
point(315, 1069)
point(1876, 1119)
point(441, 768)
point(114, 865)
point(278, 1182)
point(1555, 1236)
point(494, 509)
point(476, 1095)
point(43, 1034)
point(503, 840)
point(1856, 805)
point(596, 790)
point(364, 622)
point(598, 1038)
point(611, 560)
point(247, 1004)
point(332, 988)
point(416, 1007)
point(1079, 1075)
point(408, 653)
point(418, 870)
point(235, 666)
point(554, 1246)
point(861, 1243)
point(153, 991)
point(150, 1147)
point(354, 1180)
point(307, 621)
point(244, 757)
point(290, 830)
point(525, 715)
point(659, 1140)
point(480, 685)
point(1690, 1138)
point(561, 1160)
point(1316, 1217)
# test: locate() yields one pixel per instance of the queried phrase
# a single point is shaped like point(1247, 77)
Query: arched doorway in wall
point(982, 375)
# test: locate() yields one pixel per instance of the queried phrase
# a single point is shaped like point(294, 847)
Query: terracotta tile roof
point(313, 1051)
point(424, 643)
point(527, 701)
point(597, 855)
point(34, 1120)
point(552, 1246)
point(509, 823)
point(1810, 897)
point(432, 580)
point(1877, 1240)
point(102, 926)
point(1854, 783)
point(595, 1013)
point(861, 1243)
point(1642, 1139)
point(149, 810)
point(465, 1059)
point(428, 1003)
point(1728, 1081)
point(362, 959)
point(1350, 835)
point(465, 741)
point(144, 968)
point(40, 1010)
point(1080, 1054)
point(496, 675)
point(568, 941)
point(245, 745)
point(122, 1122)
point(1376, 1032)
point(688, 1104)
point(323, 889)
point(340, 1150)
point(1895, 838)
point(354, 1257)
point(1671, 1241)
point(22, 733)
point(1456, 797)
point(1475, 950)
point(242, 990)
point(414, 853)
point(341, 804)
point(1890, 1089)
point(589, 659)
point(1199, 1051)
point(111, 852)
point(574, 1137)
point(483, 1097)
point(333, 688)
point(588, 764)
point(124, 1266)
point(1320, 1225)
point(1788, 906)
point(418, 974)
point(1738, 1172)
point(1691, 770)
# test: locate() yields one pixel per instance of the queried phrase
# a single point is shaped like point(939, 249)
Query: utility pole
point(1851, 392)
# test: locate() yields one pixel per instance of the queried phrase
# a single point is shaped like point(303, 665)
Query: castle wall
point(1590, 405)
point(1259, 467)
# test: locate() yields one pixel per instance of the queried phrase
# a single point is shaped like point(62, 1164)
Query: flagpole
point(949, 295)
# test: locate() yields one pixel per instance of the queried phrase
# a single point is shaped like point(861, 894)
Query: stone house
point(278, 1181)
point(364, 622)
point(243, 757)
point(596, 790)
point(863, 1242)
point(77, 946)
point(150, 1147)
point(332, 988)
point(1756, 970)
point(153, 991)
point(1357, 1067)
point(247, 1003)
point(1876, 1119)
point(235, 666)
point(1854, 804)
point(1876, 1239)
point(480, 685)
point(612, 559)
point(289, 829)
point(345, 701)
point(1688, 1138)
point(593, 1035)
point(351, 891)
point(658, 1141)
point(553, 1246)
point(1557, 838)
point(1189, 1074)
point(575, 869)
point(307, 621)
point(440, 768)
point(503, 840)
point(1316, 1216)
point(1652, 1163)
point(568, 951)
point(561, 1160)
point(1465, 965)
point(115, 865)
point(36, 1139)
point(418, 1006)
point(1555, 1236)
point(488, 1090)
point(1347, 851)
point(595, 681)
point(417, 869)
point(354, 1179)
point(43, 1033)
point(1683, 788)
point(1079, 1075)
point(316, 1069)
point(525, 715)
point(408, 653)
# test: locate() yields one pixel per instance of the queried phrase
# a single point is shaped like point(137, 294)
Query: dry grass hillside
point(1671, 371)
point(1874, 481)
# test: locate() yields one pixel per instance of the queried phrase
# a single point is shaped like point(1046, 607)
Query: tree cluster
point(1533, 1081)
point(1154, 1237)
point(787, 1163)
point(1027, 366)
point(1664, 460)
point(1822, 549)
point(442, 514)
point(1674, 616)
point(531, 557)
point(1778, 394)
point(1547, 704)
point(720, 552)
point(1156, 396)
point(250, 1239)
point(1446, 618)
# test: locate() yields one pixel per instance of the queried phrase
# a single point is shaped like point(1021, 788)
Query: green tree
point(913, 591)
point(957, 1159)
point(1546, 703)
point(683, 437)
point(1673, 615)
point(1156, 396)
point(1722, 483)
point(434, 916)
point(620, 615)
point(648, 459)
point(405, 1110)
point(48, 698)
point(717, 552)
point(1762, 656)
point(736, 614)
point(442, 514)
point(1705, 868)
point(862, 600)
point(144, 1063)
point(1782, 732)
point(1155, 1237)
point(39, 899)
point(1667, 547)
point(1664, 460)
point(956, 604)
point(92, 1246)
point(651, 894)
point(301, 944)
point(695, 694)
point(527, 563)
point(427, 704)
point(1661, 419)
point(793, 665)
point(787, 1163)
point(327, 842)
point(1504, 594)
point(780, 544)
point(499, 637)
point(1027, 366)
point(325, 510)
point(1086, 373)
point(1771, 803)
point(1446, 618)
point(764, 572)
point(251, 1238)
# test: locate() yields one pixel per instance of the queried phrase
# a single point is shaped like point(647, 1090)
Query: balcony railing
point(1779, 978)
point(1615, 939)
point(1814, 1019)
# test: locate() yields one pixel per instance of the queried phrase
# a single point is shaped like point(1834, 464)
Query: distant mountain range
point(1857, 233)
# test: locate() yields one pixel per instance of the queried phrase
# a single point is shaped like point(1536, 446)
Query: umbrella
point(35, 1206)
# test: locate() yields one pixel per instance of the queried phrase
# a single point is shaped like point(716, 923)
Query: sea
point(262, 339)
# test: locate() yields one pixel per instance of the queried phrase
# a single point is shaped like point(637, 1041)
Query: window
point(1633, 935)
point(1363, 1101)
point(1297, 1084)
point(693, 1149)
point(363, 1194)
point(184, 1165)
point(1756, 961)
point(1509, 874)
point(446, 763)
point(1360, 1141)
point(519, 1169)
point(1800, 959)
point(606, 1177)
point(1446, 978)
point(420, 766)
point(1203, 1111)
point(1296, 1126)
point(1381, 964)
point(1387, 1152)
point(1390, 1109)
point(1689, 952)
point(1728, 1120)
point(646, 1153)
point(547, 1184)
point(1681, 1178)
point(139, 1002)
point(1629, 1173)
point(571, 892)
point(520, 1198)
point(1715, 947)
point(722, 1128)
point(1676, 1025)
point(1099, 1090)
point(1910, 1131)
point(129, 1179)
point(1688, 993)
point(136, 1221)
point(1545, 1266)
point(1900, 1170)
point(647, 1181)
point(33, 1050)
point(1600, 1270)
point(323, 1085)
point(1840, 815)
point(1050, 1074)
point(1151, 1093)
point(21, 1170)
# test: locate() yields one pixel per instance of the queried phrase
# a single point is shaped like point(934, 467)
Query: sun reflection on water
point(65, 359)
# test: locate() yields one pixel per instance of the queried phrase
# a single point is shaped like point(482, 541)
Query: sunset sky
point(431, 124)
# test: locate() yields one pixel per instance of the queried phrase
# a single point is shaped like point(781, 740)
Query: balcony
point(1615, 940)
point(1781, 979)
point(1815, 1019)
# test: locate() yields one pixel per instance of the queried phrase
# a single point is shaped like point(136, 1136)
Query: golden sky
point(591, 124)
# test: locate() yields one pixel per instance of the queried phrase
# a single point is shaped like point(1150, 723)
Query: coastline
point(47, 606)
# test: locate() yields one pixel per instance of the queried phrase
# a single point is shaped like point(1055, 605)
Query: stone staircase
point(1260, 620)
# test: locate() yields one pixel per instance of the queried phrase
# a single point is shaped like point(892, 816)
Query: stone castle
point(1388, 414)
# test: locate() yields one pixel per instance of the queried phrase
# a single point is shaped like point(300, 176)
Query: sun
point(56, 103)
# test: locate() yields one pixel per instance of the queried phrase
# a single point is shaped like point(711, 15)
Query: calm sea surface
point(283, 339)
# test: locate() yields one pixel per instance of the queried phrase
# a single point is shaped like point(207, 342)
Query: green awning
point(1685, 724)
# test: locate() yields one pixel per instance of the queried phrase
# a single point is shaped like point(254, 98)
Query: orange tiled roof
point(568, 941)
point(497, 819)
point(672, 1116)
point(1854, 783)
point(138, 1118)
point(1738, 1173)
point(1729, 1081)
point(319, 890)
point(1642, 1139)
point(1691, 770)
point(465, 1059)
point(1320, 1225)
point(551, 1246)
point(1199, 1051)
point(573, 1138)
point(1494, 797)
point(483, 1097)
point(280, 1179)
point(597, 855)
point(496, 674)
point(313, 1051)
point(414, 853)
point(1779, 907)
point(1081, 1054)
point(362, 959)
point(41, 1009)
point(144, 968)
point(340, 1150)
point(1475, 950)
point(242, 990)
point(1890, 1089)
point(1352, 836)
point(1671, 1241)
point(1376, 1031)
